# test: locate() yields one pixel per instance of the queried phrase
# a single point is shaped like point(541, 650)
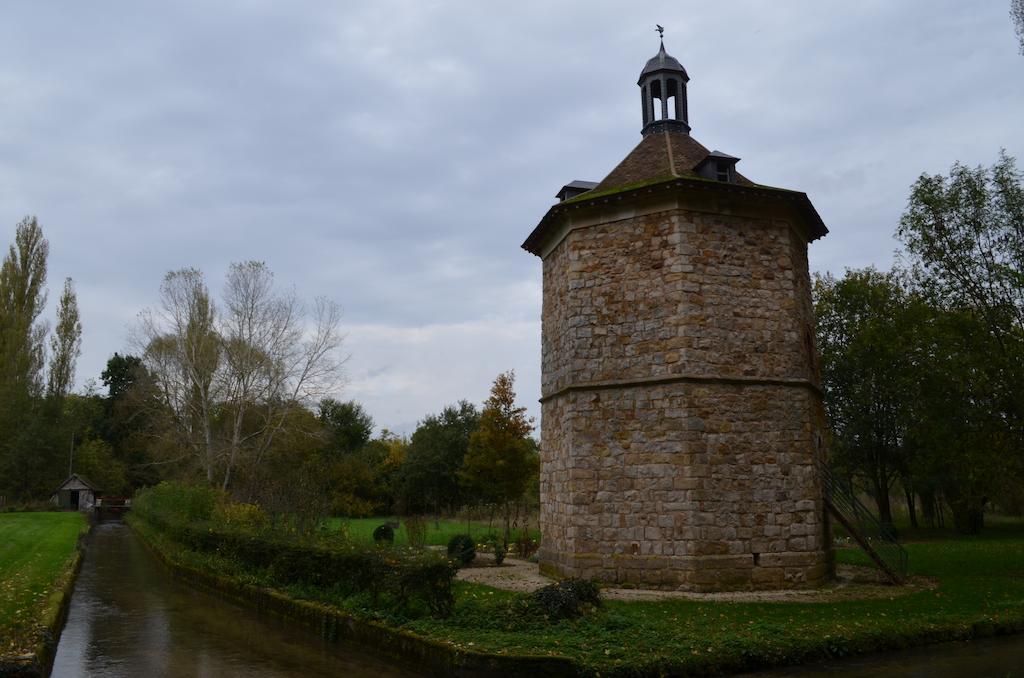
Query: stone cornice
point(626, 202)
point(682, 379)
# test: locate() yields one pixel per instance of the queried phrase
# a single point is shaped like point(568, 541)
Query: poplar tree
point(22, 354)
point(65, 344)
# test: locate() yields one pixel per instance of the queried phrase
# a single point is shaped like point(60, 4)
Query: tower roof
point(663, 61)
point(660, 156)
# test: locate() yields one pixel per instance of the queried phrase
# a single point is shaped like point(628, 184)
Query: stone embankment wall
point(681, 412)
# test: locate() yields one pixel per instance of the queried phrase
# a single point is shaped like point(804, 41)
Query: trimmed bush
point(384, 534)
point(404, 579)
point(566, 599)
point(462, 549)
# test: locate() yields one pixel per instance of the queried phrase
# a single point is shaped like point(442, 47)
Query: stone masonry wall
point(680, 420)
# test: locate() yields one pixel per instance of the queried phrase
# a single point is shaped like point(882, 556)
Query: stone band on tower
point(681, 410)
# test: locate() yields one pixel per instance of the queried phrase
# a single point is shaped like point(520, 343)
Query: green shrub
point(416, 530)
point(172, 503)
point(424, 577)
point(203, 520)
point(462, 549)
point(239, 516)
point(384, 534)
point(566, 599)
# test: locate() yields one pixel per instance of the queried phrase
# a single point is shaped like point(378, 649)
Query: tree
point(95, 459)
point(1017, 15)
point(120, 374)
point(131, 417)
point(231, 375)
point(955, 434)
point(349, 427)
point(27, 467)
point(964, 236)
point(501, 458)
point(22, 299)
point(865, 328)
point(429, 475)
point(182, 351)
point(65, 344)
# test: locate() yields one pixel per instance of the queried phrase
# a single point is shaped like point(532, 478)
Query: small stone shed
point(76, 493)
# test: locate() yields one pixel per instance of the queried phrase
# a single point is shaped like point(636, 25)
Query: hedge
point(403, 578)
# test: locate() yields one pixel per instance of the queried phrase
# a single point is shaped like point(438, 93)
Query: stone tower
point(681, 407)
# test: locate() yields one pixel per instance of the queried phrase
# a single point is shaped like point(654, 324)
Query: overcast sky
point(394, 155)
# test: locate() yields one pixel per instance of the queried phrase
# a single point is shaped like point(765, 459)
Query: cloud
point(393, 155)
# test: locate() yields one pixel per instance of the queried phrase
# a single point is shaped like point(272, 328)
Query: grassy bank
point(38, 552)
point(979, 592)
point(439, 532)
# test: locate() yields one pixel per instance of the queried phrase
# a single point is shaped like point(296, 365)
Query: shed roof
point(76, 479)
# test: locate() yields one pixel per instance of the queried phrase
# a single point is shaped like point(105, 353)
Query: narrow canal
point(129, 617)
point(985, 658)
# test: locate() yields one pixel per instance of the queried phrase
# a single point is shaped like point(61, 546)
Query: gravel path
point(852, 583)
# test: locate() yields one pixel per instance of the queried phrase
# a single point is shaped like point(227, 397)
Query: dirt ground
point(851, 583)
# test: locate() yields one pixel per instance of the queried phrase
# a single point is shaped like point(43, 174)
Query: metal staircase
point(876, 540)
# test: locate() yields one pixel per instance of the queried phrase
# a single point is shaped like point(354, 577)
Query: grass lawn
point(979, 592)
point(36, 552)
point(438, 532)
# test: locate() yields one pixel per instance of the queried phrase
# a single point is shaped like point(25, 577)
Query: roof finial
point(661, 33)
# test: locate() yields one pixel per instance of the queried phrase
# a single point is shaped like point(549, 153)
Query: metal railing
point(875, 538)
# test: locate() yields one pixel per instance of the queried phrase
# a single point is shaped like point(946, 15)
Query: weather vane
point(661, 31)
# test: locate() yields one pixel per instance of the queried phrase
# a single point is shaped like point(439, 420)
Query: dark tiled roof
point(587, 185)
point(660, 156)
point(666, 161)
point(662, 61)
point(574, 188)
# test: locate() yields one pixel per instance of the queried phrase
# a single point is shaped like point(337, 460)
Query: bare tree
point(181, 348)
point(277, 355)
point(1017, 14)
point(230, 376)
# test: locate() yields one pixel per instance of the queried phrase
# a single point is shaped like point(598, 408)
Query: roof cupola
point(663, 93)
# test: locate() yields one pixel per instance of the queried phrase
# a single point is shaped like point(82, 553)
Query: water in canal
point(129, 617)
point(985, 658)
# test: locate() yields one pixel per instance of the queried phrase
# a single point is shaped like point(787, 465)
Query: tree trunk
point(911, 506)
point(881, 488)
point(928, 504)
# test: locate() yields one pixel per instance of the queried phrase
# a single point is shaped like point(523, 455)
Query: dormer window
point(718, 166)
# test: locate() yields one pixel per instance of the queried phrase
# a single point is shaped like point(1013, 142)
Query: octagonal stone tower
point(681, 407)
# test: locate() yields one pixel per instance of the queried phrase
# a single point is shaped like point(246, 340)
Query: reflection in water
point(128, 617)
point(986, 658)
